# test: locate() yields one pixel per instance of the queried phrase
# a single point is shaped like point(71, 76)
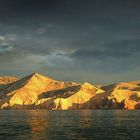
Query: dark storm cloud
point(112, 57)
point(130, 46)
point(71, 37)
point(100, 54)
point(113, 50)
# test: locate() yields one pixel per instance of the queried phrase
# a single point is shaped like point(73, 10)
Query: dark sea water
point(70, 125)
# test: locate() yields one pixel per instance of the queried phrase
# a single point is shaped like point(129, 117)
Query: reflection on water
point(38, 124)
point(72, 124)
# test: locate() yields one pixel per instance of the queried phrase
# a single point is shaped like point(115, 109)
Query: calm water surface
point(70, 125)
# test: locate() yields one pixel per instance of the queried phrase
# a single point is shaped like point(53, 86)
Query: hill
point(37, 91)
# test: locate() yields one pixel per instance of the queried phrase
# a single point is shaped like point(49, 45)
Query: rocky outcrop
point(36, 91)
point(124, 95)
point(7, 79)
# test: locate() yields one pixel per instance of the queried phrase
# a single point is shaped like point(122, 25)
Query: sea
point(70, 125)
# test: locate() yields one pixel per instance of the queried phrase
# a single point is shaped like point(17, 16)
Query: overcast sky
point(79, 40)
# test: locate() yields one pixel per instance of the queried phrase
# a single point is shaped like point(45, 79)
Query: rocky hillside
point(7, 79)
point(36, 91)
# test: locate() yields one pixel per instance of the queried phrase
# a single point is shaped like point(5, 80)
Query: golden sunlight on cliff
point(7, 79)
point(36, 91)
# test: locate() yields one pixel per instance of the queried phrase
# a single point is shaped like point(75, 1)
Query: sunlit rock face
point(26, 91)
point(7, 79)
point(121, 95)
point(76, 98)
point(36, 91)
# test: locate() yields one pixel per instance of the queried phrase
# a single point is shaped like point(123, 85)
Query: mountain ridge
point(36, 91)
